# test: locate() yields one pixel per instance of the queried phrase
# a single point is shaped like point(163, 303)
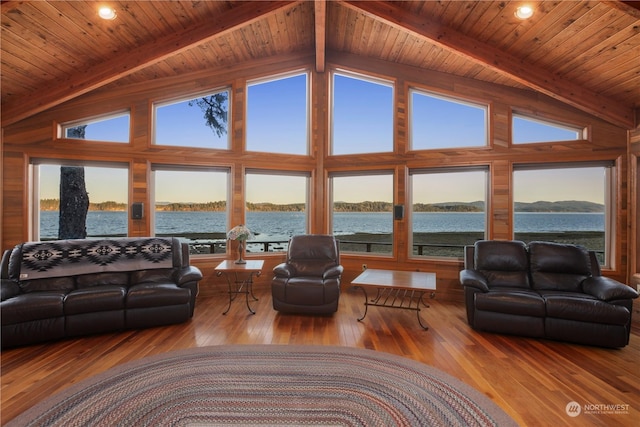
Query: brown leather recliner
point(309, 281)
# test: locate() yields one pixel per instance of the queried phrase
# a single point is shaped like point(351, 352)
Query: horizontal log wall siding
point(34, 138)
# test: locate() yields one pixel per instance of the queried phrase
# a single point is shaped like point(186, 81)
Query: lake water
point(282, 225)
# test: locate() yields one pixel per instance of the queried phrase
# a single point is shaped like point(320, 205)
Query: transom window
point(362, 114)
point(200, 121)
point(278, 115)
point(111, 128)
point(440, 122)
point(527, 129)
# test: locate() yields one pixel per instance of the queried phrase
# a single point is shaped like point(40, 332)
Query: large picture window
point(441, 122)
point(564, 204)
point(107, 187)
point(448, 210)
point(200, 121)
point(362, 209)
point(278, 115)
point(191, 203)
point(276, 208)
point(362, 115)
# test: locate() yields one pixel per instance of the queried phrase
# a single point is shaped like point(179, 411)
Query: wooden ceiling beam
point(97, 76)
point(320, 17)
point(533, 77)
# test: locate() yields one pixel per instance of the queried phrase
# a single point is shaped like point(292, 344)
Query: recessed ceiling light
point(524, 12)
point(107, 13)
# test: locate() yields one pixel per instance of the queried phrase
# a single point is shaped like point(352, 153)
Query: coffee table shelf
point(396, 289)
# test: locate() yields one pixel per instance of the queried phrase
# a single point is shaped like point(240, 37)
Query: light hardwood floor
point(532, 380)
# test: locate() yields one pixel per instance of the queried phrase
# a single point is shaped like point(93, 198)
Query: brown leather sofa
point(67, 288)
point(309, 280)
point(545, 290)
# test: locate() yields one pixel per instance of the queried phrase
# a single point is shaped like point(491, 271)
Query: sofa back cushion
point(62, 284)
point(560, 267)
point(503, 263)
point(101, 279)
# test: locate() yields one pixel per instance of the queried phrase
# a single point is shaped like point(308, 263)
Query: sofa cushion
point(511, 301)
point(101, 279)
point(556, 266)
point(156, 295)
point(307, 291)
point(32, 306)
point(97, 298)
point(503, 263)
point(584, 308)
point(161, 275)
point(62, 284)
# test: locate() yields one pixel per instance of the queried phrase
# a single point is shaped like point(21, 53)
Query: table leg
point(366, 302)
point(240, 287)
point(421, 294)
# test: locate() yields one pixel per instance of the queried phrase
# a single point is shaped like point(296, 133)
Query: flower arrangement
point(240, 232)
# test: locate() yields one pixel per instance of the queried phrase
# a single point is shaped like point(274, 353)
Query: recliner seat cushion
point(95, 299)
point(32, 306)
point(156, 295)
point(581, 307)
point(511, 301)
point(309, 291)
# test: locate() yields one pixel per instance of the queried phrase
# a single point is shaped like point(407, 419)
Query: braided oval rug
point(276, 385)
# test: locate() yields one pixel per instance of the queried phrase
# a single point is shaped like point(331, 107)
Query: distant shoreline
point(567, 206)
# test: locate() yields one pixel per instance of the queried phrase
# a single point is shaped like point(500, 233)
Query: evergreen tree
point(215, 113)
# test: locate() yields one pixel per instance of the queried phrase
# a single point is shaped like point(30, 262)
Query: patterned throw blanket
point(73, 257)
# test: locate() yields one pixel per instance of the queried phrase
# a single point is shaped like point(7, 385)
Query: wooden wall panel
point(14, 199)
point(34, 138)
point(634, 200)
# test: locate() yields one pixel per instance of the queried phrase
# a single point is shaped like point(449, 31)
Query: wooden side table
point(240, 279)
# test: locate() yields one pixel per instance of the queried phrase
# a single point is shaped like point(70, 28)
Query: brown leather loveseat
point(67, 288)
point(545, 290)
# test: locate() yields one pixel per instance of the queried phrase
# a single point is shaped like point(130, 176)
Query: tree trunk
point(74, 203)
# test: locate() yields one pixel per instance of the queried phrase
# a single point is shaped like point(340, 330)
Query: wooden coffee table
point(396, 289)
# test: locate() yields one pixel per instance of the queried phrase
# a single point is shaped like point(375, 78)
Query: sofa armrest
point(332, 272)
point(284, 270)
point(9, 289)
point(474, 279)
point(188, 274)
point(607, 289)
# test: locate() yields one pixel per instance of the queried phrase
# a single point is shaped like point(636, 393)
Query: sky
point(277, 117)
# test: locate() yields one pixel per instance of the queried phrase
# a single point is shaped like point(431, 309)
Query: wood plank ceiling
point(584, 53)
